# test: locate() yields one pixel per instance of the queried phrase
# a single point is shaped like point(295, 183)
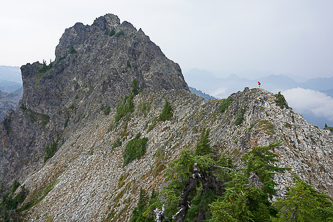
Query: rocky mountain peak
point(94, 68)
point(76, 35)
point(66, 142)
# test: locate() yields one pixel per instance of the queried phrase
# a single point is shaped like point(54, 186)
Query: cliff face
point(95, 74)
point(85, 180)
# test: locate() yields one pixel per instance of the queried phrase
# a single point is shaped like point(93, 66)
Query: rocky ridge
point(85, 179)
point(89, 182)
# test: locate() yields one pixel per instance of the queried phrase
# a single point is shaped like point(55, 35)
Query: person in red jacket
point(259, 84)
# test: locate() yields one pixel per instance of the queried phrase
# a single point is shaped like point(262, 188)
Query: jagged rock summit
point(85, 180)
point(104, 60)
point(94, 68)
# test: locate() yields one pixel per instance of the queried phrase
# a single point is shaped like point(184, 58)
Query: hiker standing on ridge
point(259, 84)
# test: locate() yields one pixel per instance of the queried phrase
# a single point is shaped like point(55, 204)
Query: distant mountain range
point(222, 87)
point(11, 73)
point(10, 87)
point(206, 82)
point(9, 101)
point(202, 94)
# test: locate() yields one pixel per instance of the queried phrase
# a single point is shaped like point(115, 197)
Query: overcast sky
point(277, 37)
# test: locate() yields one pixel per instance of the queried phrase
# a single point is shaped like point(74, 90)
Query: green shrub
point(281, 101)
point(112, 32)
point(143, 107)
point(45, 67)
point(240, 119)
point(8, 202)
point(139, 213)
point(328, 128)
point(15, 185)
point(152, 125)
point(60, 59)
point(135, 149)
point(20, 196)
point(121, 32)
point(66, 122)
point(41, 119)
point(71, 106)
point(26, 206)
point(125, 106)
point(107, 110)
point(50, 150)
point(167, 111)
point(267, 126)
point(76, 96)
point(2, 187)
point(116, 143)
point(251, 126)
point(72, 50)
point(22, 106)
point(225, 104)
point(128, 64)
point(135, 87)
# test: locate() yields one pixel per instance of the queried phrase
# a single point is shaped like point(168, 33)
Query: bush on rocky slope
point(135, 149)
point(167, 112)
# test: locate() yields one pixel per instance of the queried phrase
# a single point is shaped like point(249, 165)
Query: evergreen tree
point(125, 106)
point(112, 32)
point(247, 195)
point(203, 148)
point(202, 189)
point(15, 185)
point(72, 50)
point(138, 211)
point(328, 128)
point(144, 210)
point(303, 203)
point(225, 104)
point(281, 101)
point(196, 180)
point(167, 111)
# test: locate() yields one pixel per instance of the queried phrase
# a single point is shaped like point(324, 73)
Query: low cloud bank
point(305, 100)
point(219, 93)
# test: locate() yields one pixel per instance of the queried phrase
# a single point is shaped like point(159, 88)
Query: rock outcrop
point(85, 180)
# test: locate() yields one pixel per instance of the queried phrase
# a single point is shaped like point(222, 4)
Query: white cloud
point(304, 100)
point(219, 93)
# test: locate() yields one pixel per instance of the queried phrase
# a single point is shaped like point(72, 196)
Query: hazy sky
point(281, 36)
